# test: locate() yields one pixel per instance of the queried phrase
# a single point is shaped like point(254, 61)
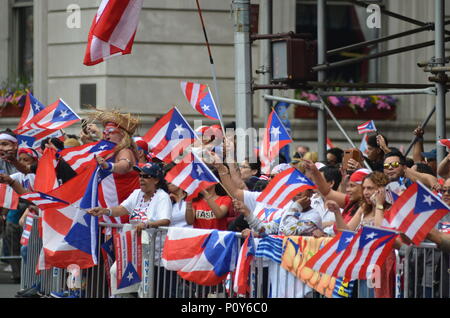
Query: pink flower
point(334, 100)
point(313, 97)
point(383, 105)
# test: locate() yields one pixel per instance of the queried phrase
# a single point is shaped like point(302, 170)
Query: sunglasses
point(111, 130)
point(394, 164)
point(445, 191)
point(145, 176)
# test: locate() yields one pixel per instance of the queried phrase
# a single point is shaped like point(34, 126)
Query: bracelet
point(109, 212)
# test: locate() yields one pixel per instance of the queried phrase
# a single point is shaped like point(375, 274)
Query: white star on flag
point(179, 129)
point(130, 276)
point(348, 239)
point(102, 147)
point(205, 108)
point(23, 144)
point(428, 199)
point(220, 241)
point(199, 170)
point(301, 178)
point(63, 114)
point(275, 131)
point(371, 235)
point(36, 106)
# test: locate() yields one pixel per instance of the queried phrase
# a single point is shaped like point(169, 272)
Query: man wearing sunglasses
point(396, 170)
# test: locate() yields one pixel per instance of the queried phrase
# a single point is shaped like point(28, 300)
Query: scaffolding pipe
point(266, 55)
point(368, 85)
point(423, 125)
point(321, 76)
point(429, 26)
point(440, 87)
point(429, 91)
point(328, 66)
point(294, 101)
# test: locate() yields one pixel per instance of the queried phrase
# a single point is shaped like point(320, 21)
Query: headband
point(32, 153)
point(4, 136)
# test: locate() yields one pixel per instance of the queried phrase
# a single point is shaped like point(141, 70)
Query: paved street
point(7, 288)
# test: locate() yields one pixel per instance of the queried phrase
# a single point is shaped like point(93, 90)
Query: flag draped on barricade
point(200, 97)
point(248, 249)
point(284, 187)
point(80, 156)
point(204, 257)
point(109, 258)
point(113, 29)
point(415, 212)
point(169, 136)
point(128, 252)
point(9, 199)
point(270, 247)
point(192, 176)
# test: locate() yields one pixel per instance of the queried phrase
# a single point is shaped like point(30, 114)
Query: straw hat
point(124, 121)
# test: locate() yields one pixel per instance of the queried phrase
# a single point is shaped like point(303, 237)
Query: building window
point(22, 41)
point(343, 28)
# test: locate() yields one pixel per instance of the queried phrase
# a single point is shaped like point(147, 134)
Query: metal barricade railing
point(10, 234)
point(157, 282)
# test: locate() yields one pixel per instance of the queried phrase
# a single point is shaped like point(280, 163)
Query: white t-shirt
point(326, 215)
point(158, 208)
point(179, 215)
point(26, 180)
point(296, 222)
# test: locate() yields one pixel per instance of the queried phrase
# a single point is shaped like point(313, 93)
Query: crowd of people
point(348, 194)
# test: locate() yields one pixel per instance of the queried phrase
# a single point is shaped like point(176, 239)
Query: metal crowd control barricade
point(426, 272)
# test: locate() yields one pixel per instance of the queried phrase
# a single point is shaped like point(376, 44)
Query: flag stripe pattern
point(246, 254)
point(200, 97)
point(27, 230)
point(284, 187)
point(366, 127)
point(9, 199)
point(128, 251)
point(31, 108)
point(270, 247)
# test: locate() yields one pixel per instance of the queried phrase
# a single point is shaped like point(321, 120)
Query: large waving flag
point(369, 247)
point(192, 176)
point(204, 257)
point(113, 30)
point(68, 237)
point(46, 180)
point(31, 108)
point(327, 259)
point(275, 138)
point(32, 138)
point(200, 97)
point(284, 187)
point(416, 212)
point(9, 199)
point(128, 251)
point(246, 255)
point(367, 127)
point(169, 136)
point(79, 157)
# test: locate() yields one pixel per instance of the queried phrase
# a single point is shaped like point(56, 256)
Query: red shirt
point(204, 216)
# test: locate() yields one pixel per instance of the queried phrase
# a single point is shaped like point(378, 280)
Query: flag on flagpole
point(78, 157)
point(329, 144)
point(128, 251)
point(275, 137)
point(193, 176)
point(204, 257)
point(366, 127)
point(169, 136)
point(415, 212)
point(31, 108)
point(9, 199)
point(284, 187)
point(113, 30)
point(246, 255)
point(369, 247)
point(200, 97)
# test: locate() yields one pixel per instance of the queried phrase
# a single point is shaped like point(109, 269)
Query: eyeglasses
point(394, 164)
point(244, 166)
point(145, 176)
point(111, 130)
point(445, 191)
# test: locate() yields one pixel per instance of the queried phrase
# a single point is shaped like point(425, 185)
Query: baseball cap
point(359, 175)
point(152, 169)
point(430, 154)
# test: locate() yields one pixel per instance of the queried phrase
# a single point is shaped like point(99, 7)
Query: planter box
point(11, 110)
point(345, 112)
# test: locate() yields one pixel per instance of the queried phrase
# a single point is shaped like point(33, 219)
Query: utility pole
point(265, 8)
point(322, 59)
point(243, 77)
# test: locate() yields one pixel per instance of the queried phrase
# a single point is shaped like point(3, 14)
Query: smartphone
point(351, 153)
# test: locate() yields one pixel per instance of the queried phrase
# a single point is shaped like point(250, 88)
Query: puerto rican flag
point(27, 230)
point(284, 187)
point(169, 136)
point(31, 108)
point(128, 251)
point(79, 157)
point(329, 144)
point(193, 176)
point(108, 258)
point(46, 179)
point(416, 212)
point(200, 97)
point(54, 117)
point(44, 201)
point(444, 227)
point(9, 199)
point(363, 147)
point(275, 137)
point(246, 256)
point(204, 257)
point(327, 258)
point(268, 214)
point(113, 30)
point(369, 247)
point(366, 127)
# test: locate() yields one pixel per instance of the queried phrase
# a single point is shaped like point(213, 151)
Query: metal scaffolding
point(436, 66)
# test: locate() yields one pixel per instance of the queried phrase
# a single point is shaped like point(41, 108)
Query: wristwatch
point(379, 207)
